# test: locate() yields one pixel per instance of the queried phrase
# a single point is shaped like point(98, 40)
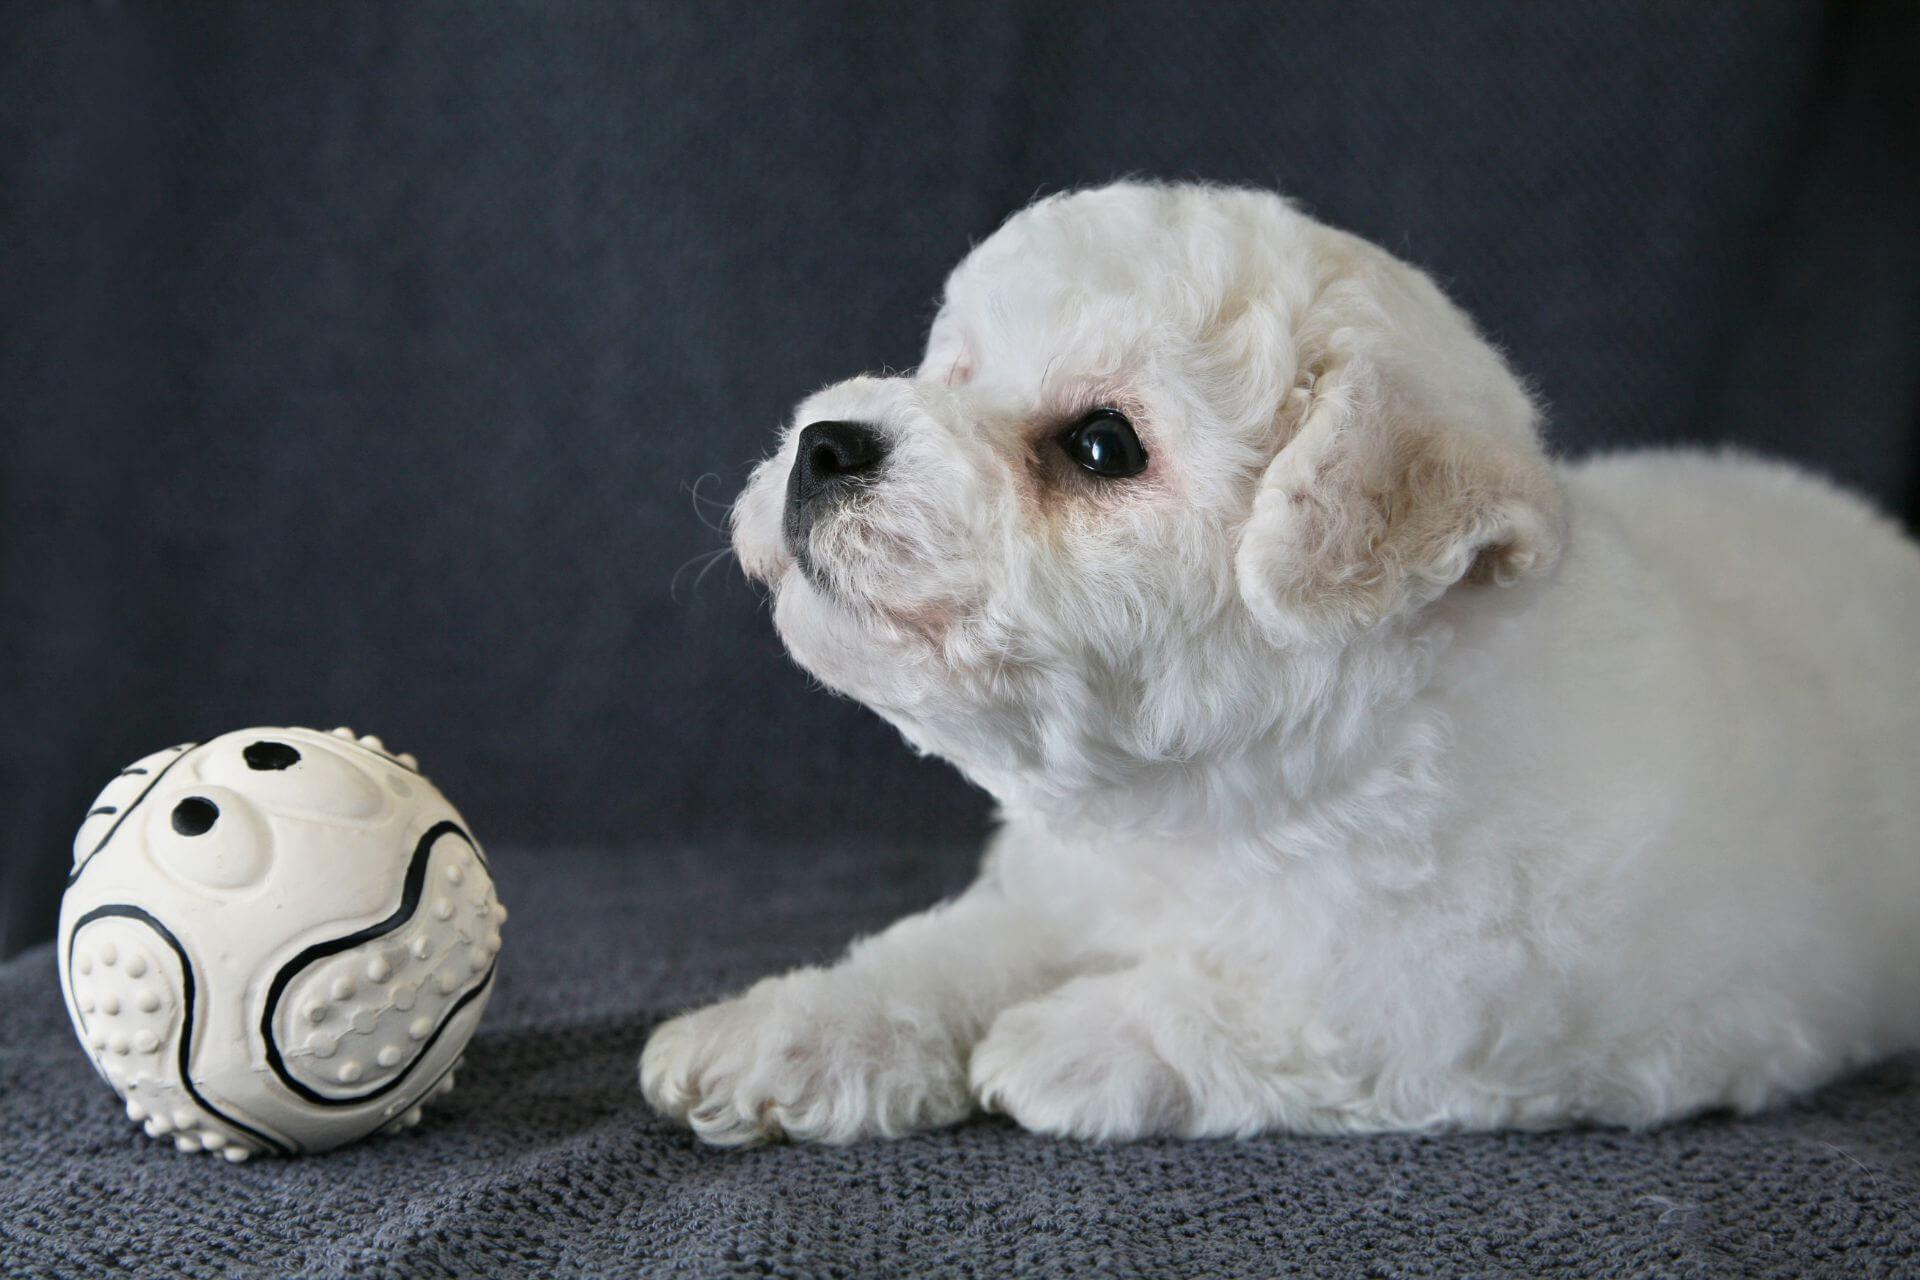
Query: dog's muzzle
point(834, 460)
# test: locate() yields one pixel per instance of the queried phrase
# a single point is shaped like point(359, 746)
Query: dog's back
point(1826, 589)
point(1793, 851)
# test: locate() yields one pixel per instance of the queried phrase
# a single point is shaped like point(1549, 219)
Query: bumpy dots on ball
point(277, 941)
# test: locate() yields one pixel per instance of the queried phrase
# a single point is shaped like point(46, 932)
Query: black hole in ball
point(195, 816)
point(270, 755)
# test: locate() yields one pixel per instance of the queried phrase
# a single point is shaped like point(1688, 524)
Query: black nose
point(833, 457)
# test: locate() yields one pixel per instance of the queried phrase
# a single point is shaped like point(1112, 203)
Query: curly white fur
point(1360, 767)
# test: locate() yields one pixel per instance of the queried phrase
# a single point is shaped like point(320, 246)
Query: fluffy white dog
point(1361, 768)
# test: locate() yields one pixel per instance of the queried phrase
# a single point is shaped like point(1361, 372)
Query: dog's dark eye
point(1104, 444)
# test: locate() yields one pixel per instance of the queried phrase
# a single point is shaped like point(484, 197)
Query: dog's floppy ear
point(1414, 463)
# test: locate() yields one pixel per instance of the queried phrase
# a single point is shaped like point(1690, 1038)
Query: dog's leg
point(875, 1045)
point(1166, 1048)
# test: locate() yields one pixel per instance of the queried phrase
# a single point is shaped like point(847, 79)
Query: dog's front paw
point(813, 1056)
point(1069, 1065)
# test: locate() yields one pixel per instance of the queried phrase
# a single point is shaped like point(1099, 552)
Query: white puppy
point(1360, 767)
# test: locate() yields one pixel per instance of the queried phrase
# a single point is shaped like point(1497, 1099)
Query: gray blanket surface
point(545, 1161)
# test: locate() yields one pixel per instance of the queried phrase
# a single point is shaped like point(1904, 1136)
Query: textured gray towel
point(545, 1162)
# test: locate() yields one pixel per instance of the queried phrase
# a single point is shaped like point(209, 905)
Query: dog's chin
point(836, 638)
point(890, 657)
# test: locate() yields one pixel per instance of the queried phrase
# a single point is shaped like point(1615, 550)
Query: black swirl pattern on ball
point(410, 894)
point(187, 990)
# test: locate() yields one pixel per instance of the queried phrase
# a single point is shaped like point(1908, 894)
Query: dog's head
point(1173, 455)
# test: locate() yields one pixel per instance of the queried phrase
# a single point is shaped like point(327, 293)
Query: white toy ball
point(277, 941)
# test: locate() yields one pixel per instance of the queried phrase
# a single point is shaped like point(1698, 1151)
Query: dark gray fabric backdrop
point(378, 363)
